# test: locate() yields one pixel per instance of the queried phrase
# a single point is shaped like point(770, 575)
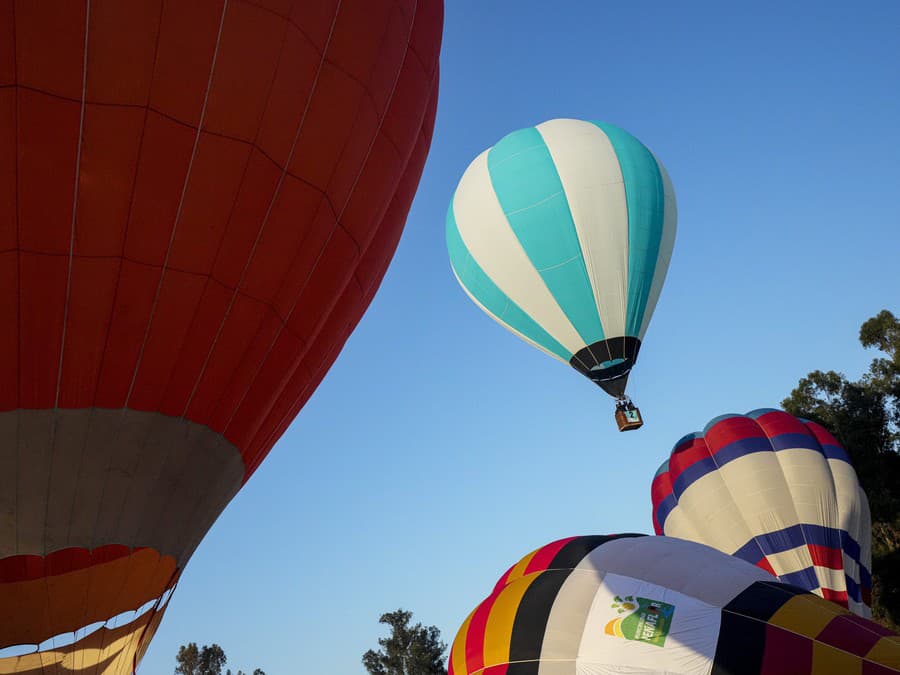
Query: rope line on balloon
point(178, 213)
point(335, 347)
point(320, 324)
point(269, 208)
point(307, 343)
point(62, 346)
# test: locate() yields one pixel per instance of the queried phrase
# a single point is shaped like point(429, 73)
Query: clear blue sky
point(440, 448)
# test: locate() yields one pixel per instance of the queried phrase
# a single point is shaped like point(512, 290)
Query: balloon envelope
point(636, 604)
point(777, 491)
point(562, 233)
point(198, 200)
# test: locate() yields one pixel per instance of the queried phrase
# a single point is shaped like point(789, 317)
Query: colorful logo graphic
point(647, 620)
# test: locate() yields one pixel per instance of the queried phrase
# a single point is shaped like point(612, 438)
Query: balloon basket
point(629, 419)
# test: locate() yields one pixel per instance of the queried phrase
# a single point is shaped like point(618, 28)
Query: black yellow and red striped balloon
point(631, 603)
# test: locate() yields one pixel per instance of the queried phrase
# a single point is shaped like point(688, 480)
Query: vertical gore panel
point(646, 214)
point(786, 652)
point(8, 166)
point(378, 180)
point(531, 618)
point(121, 50)
point(350, 163)
point(93, 291)
point(34, 434)
point(426, 34)
point(7, 48)
point(42, 302)
point(316, 233)
point(50, 46)
point(216, 173)
point(828, 660)
point(289, 96)
point(319, 295)
point(268, 379)
point(241, 378)
point(282, 236)
point(175, 308)
point(226, 354)
point(166, 152)
point(251, 204)
point(402, 124)
point(252, 40)
point(48, 147)
point(576, 550)
point(531, 193)
point(187, 42)
point(741, 645)
point(198, 342)
point(109, 155)
point(761, 600)
point(381, 74)
point(134, 299)
point(9, 335)
point(326, 125)
point(360, 33)
point(317, 19)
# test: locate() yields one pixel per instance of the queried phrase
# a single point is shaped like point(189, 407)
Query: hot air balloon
point(198, 201)
point(635, 604)
point(777, 491)
point(562, 233)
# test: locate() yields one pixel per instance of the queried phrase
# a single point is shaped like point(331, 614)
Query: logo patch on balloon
point(649, 620)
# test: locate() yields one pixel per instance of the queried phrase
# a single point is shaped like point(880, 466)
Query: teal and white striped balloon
point(563, 234)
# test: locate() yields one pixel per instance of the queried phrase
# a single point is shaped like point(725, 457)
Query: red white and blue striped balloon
point(777, 491)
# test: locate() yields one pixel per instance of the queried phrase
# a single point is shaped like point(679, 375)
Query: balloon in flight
point(198, 201)
point(562, 233)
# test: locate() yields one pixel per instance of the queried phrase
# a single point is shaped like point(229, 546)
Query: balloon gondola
point(563, 233)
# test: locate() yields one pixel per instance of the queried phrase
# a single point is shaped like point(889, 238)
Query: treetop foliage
point(864, 416)
point(409, 650)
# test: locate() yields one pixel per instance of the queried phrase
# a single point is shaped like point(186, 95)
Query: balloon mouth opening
point(608, 362)
point(69, 638)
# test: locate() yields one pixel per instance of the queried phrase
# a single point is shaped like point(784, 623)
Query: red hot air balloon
point(198, 200)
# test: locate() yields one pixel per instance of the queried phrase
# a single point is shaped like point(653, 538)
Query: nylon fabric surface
point(199, 202)
point(573, 225)
point(776, 491)
point(637, 604)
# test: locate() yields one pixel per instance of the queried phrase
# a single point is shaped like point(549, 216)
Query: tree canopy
point(409, 650)
point(864, 415)
point(208, 660)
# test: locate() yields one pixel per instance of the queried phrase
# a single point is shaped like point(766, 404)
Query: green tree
point(187, 659)
point(193, 661)
point(865, 417)
point(409, 650)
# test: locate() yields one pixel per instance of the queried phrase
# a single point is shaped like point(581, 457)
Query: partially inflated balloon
point(198, 201)
point(774, 490)
point(563, 233)
point(608, 605)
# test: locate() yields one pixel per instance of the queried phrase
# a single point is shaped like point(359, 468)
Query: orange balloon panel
point(86, 587)
point(107, 651)
point(198, 201)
